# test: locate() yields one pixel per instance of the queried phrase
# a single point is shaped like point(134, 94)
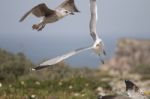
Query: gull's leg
point(102, 61)
point(104, 52)
point(40, 28)
point(37, 26)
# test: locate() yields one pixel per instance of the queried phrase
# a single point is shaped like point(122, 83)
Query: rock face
point(129, 53)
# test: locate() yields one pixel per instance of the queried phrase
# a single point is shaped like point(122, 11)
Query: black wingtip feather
point(39, 67)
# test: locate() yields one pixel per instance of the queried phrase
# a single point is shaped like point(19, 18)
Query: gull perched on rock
point(97, 46)
point(133, 91)
point(49, 16)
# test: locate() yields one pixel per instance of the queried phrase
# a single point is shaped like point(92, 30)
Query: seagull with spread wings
point(97, 46)
point(98, 43)
point(49, 16)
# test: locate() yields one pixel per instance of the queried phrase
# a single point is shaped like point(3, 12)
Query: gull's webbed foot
point(35, 26)
point(104, 52)
point(102, 61)
point(40, 28)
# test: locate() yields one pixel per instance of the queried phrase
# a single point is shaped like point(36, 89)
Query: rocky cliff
point(129, 53)
point(131, 56)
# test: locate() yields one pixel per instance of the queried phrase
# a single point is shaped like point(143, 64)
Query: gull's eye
point(66, 12)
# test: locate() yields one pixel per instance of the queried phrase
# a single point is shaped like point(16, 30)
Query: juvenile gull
point(49, 16)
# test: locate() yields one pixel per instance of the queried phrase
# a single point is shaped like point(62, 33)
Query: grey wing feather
point(93, 8)
point(39, 11)
point(25, 15)
point(68, 5)
point(42, 10)
point(60, 58)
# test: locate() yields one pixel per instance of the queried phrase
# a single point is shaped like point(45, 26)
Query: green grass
point(60, 81)
point(71, 88)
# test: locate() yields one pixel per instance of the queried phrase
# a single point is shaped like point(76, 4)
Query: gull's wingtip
point(20, 20)
point(39, 67)
point(78, 11)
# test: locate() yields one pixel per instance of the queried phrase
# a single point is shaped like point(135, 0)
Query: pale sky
point(116, 19)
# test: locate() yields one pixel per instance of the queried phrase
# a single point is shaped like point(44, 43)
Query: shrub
point(13, 65)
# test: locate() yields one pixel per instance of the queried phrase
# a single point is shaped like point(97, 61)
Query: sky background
point(116, 19)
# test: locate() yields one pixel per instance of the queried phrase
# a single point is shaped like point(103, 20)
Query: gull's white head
point(63, 12)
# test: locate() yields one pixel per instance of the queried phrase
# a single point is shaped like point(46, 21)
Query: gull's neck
point(60, 14)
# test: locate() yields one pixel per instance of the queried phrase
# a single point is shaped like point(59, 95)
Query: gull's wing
point(60, 58)
point(93, 8)
point(39, 11)
point(68, 5)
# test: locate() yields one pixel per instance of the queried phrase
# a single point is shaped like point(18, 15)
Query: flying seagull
point(97, 47)
point(133, 91)
point(49, 16)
